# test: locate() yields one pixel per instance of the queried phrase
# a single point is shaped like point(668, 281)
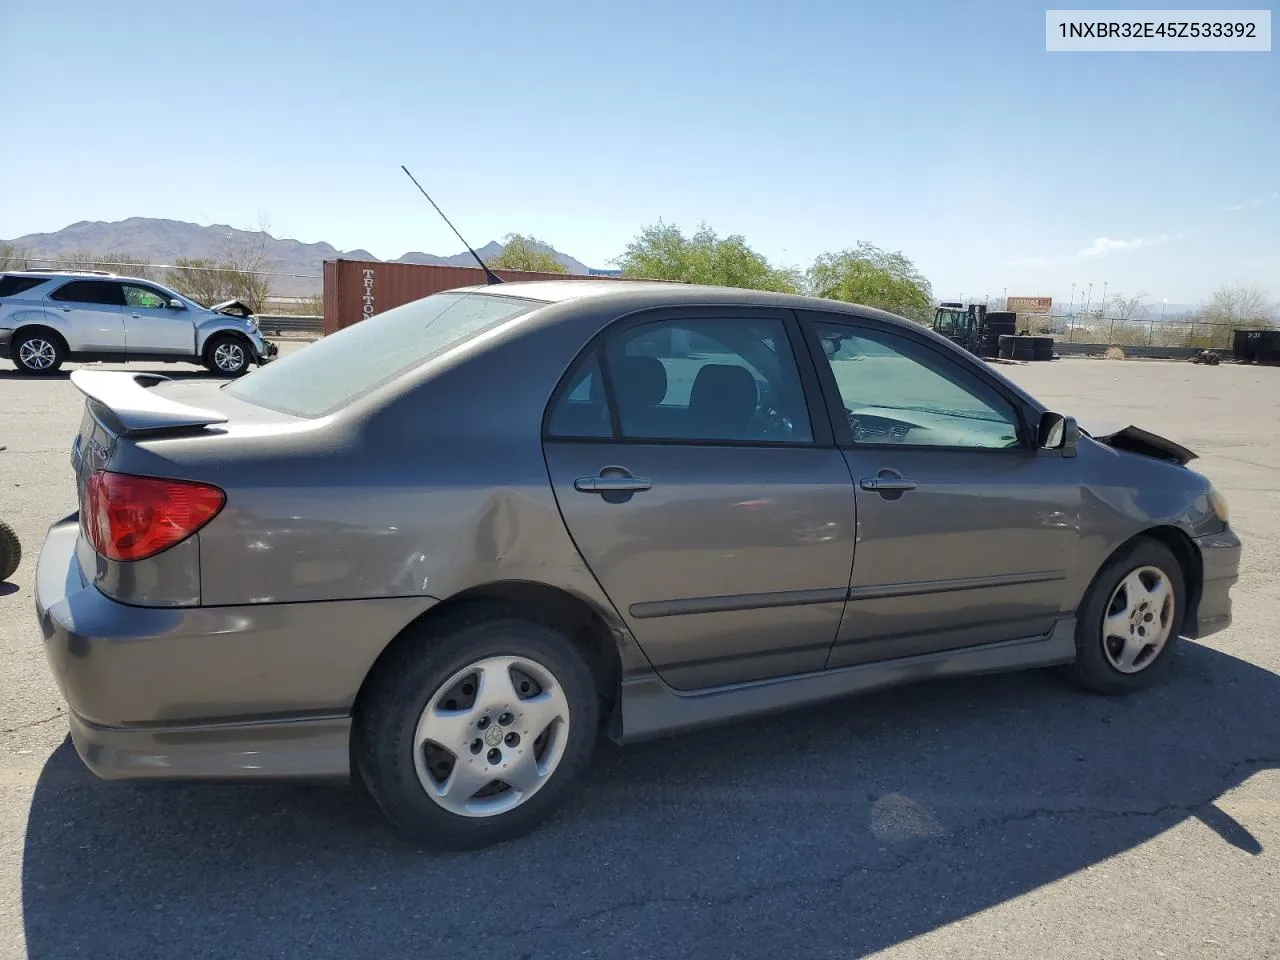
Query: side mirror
point(176, 304)
point(1057, 432)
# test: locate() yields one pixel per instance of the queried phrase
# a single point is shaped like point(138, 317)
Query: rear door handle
point(887, 484)
point(611, 484)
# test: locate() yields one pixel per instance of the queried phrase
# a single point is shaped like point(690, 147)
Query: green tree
point(526, 253)
point(870, 276)
point(662, 252)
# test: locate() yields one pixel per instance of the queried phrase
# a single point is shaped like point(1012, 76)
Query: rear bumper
point(6, 338)
point(255, 691)
point(312, 749)
point(1220, 555)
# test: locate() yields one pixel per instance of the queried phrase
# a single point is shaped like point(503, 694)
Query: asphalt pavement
point(1008, 816)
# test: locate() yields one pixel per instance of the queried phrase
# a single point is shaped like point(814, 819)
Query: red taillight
point(132, 518)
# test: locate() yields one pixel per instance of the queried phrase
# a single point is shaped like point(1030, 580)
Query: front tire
point(10, 551)
point(1127, 627)
point(474, 729)
point(227, 355)
point(37, 353)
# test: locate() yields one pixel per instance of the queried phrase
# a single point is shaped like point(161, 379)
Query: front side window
point(104, 292)
point(144, 298)
point(712, 380)
point(896, 391)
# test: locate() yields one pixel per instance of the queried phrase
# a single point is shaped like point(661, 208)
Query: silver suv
point(49, 317)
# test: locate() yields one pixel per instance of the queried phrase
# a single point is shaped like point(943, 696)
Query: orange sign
point(1029, 304)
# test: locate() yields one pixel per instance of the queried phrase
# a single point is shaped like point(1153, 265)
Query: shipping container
point(355, 290)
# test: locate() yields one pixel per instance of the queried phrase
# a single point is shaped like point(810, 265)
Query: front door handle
point(611, 484)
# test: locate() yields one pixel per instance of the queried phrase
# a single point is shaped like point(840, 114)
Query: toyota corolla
point(447, 548)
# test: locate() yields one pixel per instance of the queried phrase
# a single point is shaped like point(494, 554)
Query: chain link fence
point(1108, 331)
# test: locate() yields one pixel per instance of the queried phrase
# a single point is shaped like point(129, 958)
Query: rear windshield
point(12, 286)
point(340, 368)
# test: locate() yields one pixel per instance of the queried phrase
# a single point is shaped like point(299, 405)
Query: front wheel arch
point(1184, 551)
point(222, 336)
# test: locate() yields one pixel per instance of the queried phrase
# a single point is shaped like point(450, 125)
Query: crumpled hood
point(1136, 440)
point(233, 308)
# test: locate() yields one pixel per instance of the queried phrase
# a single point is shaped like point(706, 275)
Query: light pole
point(1104, 295)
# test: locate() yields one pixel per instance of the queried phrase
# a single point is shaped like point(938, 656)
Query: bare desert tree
point(1239, 304)
point(13, 257)
point(1129, 308)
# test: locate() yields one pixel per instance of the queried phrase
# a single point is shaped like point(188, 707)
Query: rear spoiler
point(129, 407)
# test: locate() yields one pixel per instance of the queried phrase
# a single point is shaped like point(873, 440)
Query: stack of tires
point(1026, 348)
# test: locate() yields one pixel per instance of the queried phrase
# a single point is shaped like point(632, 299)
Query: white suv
point(48, 318)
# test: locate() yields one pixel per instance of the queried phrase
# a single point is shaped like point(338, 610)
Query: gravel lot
point(1005, 816)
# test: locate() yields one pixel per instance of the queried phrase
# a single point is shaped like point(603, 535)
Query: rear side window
point(105, 292)
point(583, 409)
point(13, 286)
point(330, 374)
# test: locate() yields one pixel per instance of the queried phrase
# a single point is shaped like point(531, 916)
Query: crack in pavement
point(34, 723)
point(958, 838)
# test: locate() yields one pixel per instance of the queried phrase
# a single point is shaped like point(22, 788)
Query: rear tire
point(227, 355)
point(439, 738)
point(10, 551)
point(37, 352)
point(1127, 627)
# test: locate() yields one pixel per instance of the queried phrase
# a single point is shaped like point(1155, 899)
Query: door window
point(708, 380)
point(144, 298)
point(895, 391)
point(105, 292)
point(583, 408)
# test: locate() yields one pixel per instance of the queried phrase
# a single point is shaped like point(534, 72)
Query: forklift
point(974, 327)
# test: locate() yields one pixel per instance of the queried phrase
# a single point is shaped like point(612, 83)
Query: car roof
point(658, 293)
point(77, 275)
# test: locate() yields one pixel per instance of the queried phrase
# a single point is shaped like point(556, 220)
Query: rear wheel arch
point(41, 328)
point(559, 609)
point(44, 332)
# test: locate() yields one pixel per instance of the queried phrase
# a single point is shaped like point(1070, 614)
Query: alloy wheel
point(1138, 619)
point(229, 357)
point(491, 736)
point(37, 354)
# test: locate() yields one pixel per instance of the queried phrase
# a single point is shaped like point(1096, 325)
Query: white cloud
point(1233, 208)
point(1101, 247)
point(1105, 245)
point(1034, 261)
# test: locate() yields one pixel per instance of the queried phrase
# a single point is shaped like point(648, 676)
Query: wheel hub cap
point(1139, 620)
point(37, 354)
point(491, 736)
point(228, 357)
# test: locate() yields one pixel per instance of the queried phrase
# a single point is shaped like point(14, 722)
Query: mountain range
point(164, 241)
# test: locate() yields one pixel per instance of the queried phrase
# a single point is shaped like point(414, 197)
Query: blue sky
point(941, 129)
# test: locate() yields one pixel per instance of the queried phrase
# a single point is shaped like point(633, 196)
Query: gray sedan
point(449, 547)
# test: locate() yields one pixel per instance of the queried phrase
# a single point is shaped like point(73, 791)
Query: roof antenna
point(489, 276)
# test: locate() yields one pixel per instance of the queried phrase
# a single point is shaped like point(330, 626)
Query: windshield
point(344, 366)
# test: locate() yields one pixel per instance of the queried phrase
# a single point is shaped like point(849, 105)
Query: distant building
point(593, 272)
